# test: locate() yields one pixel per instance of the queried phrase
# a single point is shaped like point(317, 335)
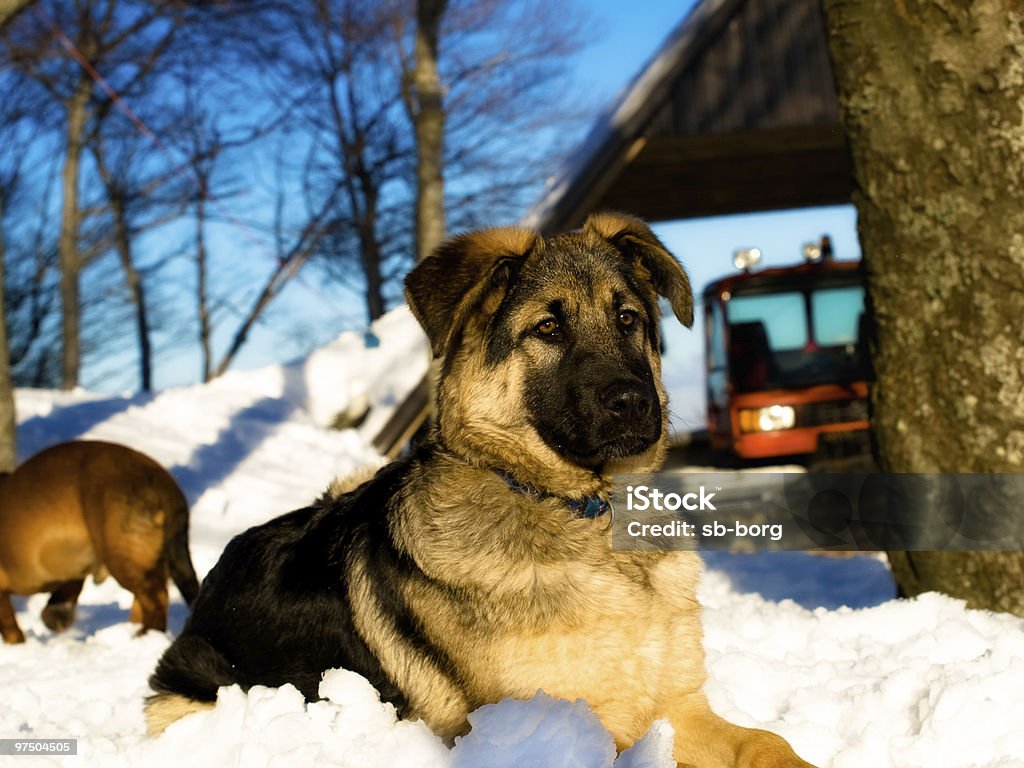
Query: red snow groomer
point(786, 358)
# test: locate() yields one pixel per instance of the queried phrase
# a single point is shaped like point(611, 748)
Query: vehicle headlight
point(770, 419)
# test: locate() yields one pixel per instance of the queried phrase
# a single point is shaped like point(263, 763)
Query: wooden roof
point(736, 112)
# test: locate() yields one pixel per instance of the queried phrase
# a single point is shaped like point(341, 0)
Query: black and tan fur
point(92, 508)
point(461, 575)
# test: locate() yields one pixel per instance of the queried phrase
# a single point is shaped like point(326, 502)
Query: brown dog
point(480, 566)
point(92, 508)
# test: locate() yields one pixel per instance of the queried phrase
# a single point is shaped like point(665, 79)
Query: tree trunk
point(370, 253)
point(8, 421)
point(369, 245)
point(931, 97)
point(68, 253)
point(122, 239)
point(123, 246)
point(428, 119)
point(201, 287)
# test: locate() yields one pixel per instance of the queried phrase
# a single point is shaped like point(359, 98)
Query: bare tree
point(289, 262)
point(201, 142)
point(76, 106)
point(392, 76)
point(65, 52)
point(8, 176)
point(356, 102)
point(15, 134)
point(931, 97)
point(144, 187)
point(423, 96)
point(204, 149)
point(359, 145)
point(95, 57)
point(381, 142)
point(119, 200)
point(30, 290)
point(510, 110)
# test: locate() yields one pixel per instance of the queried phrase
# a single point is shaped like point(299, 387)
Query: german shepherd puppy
point(92, 508)
point(480, 567)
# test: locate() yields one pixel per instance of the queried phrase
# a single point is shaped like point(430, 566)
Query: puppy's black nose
point(629, 402)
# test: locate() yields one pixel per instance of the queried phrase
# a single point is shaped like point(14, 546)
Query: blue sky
point(625, 39)
point(626, 36)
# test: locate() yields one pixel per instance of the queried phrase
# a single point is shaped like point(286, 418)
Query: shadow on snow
point(70, 422)
point(247, 428)
point(811, 581)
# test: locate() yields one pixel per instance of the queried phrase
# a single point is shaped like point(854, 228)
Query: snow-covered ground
point(879, 682)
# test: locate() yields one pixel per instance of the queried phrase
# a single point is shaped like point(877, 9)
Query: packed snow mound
point(350, 728)
point(376, 368)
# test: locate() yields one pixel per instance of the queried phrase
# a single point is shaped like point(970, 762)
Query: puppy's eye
point(546, 328)
point(627, 318)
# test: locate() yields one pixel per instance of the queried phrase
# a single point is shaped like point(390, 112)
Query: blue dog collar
point(590, 508)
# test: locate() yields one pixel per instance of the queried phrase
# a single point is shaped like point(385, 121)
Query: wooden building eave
point(735, 113)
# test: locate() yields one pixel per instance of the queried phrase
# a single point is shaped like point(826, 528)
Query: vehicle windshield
point(796, 338)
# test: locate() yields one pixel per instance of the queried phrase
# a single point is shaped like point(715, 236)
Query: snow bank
point(378, 367)
point(350, 728)
point(907, 683)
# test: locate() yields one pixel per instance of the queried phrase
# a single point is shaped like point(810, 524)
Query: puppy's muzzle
point(627, 403)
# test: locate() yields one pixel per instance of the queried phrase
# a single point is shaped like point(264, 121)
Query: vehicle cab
point(786, 358)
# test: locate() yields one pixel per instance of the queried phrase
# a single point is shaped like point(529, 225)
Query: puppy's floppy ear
point(444, 288)
point(637, 242)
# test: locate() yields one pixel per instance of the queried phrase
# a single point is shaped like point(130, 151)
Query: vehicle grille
point(831, 412)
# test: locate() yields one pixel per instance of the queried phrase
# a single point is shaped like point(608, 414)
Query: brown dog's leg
point(150, 606)
point(8, 623)
point(59, 612)
point(134, 556)
point(705, 740)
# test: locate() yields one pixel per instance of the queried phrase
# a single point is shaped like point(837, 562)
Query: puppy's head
point(548, 348)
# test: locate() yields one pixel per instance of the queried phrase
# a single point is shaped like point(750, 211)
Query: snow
point(350, 728)
point(814, 648)
point(906, 683)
